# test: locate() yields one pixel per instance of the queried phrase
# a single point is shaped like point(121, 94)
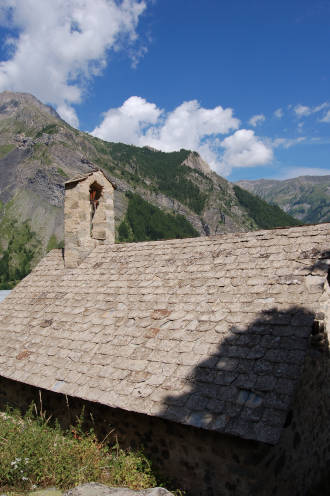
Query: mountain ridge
point(307, 198)
point(39, 152)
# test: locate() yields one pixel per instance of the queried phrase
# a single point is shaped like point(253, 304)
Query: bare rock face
point(195, 161)
point(94, 489)
point(10, 102)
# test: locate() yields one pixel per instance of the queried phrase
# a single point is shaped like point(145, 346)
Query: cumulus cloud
point(130, 122)
point(188, 126)
point(244, 149)
point(279, 113)
point(68, 114)
point(62, 44)
point(257, 119)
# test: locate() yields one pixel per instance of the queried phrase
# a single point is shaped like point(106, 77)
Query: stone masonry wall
point(80, 236)
point(299, 464)
point(207, 463)
point(199, 461)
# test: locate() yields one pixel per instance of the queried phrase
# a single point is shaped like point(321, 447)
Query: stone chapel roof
point(210, 332)
point(82, 177)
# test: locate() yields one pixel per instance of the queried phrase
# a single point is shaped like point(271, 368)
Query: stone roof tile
point(210, 332)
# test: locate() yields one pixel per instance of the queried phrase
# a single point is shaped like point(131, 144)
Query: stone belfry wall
point(88, 216)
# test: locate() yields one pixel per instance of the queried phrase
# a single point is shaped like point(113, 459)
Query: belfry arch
point(97, 213)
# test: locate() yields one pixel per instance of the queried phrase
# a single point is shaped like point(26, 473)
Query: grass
point(36, 454)
point(5, 149)
point(61, 172)
point(49, 129)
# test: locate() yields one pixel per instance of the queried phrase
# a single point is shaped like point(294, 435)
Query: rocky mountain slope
point(306, 198)
point(39, 152)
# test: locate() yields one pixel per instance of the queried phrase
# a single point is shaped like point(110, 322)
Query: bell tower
point(88, 216)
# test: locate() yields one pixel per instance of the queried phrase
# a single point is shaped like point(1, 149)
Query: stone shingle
point(210, 332)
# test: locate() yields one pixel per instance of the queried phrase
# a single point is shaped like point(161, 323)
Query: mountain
point(307, 198)
point(159, 195)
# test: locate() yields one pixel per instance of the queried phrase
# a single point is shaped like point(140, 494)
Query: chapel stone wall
point(205, 463)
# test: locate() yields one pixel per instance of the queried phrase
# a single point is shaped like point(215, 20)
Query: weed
point(36, 453)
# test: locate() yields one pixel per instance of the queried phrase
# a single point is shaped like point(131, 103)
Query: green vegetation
point(36, 453)
point(164, 169)
point(318, 212)
point(19, 247)
point(265, 216)
point(145, 222)
point(61, 172)
point(312, 203)
point(49, 129)
point(53, 244)
point(41, 152)
point(306, 198)
point(20, 127)
point(5, 149)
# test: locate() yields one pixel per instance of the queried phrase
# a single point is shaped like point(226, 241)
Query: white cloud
point(68, 114)
point(300, 126)
point(257, 119)
point(304, 110)
point(321, 107)
point(288, 142)
point(130, 122)
point(297, 171)
point(188, 126)
point(279, 113)
point(244, 149)
point(326, 117)
point(62, 44)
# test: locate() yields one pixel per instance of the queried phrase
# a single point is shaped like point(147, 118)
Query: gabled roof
point(209, 332)
point(78, 179)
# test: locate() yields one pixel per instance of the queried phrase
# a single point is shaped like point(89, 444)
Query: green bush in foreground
point(36, 454)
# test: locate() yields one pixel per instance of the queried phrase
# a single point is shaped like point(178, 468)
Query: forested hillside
point(159, 195)
point(265, 215)
point(307, 198)
point(145, 222)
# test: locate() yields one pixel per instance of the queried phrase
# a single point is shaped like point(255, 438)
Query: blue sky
point(245, 83)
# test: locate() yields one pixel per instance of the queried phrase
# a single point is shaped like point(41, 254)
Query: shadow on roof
point(246, 388)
